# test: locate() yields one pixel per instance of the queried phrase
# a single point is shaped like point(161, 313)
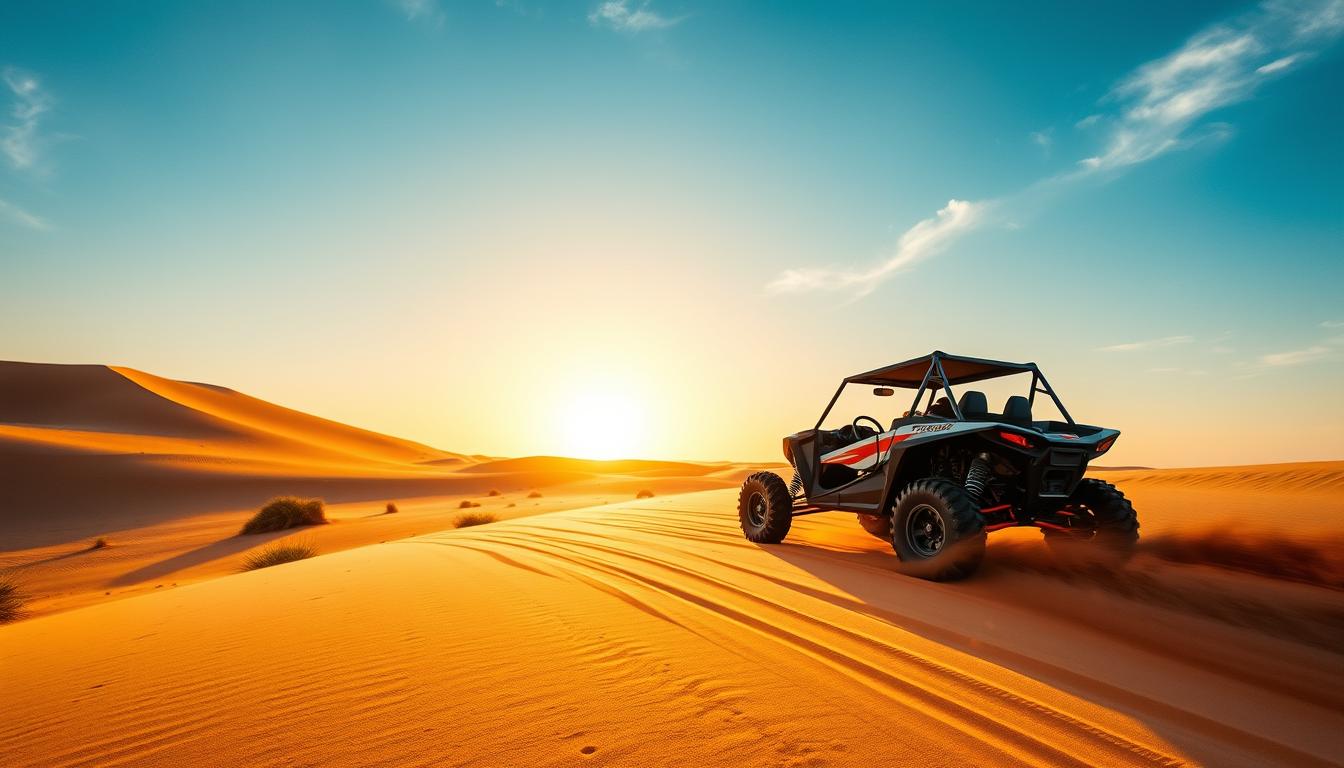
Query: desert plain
point(588, 626)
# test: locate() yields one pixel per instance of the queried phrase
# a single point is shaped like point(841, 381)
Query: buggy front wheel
point(765, 508)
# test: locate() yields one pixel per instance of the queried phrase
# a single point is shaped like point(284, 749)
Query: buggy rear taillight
point(1015, 439)
point(1105, 445)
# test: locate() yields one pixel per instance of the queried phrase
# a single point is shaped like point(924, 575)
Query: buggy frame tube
point(919, 393)
point(947, 388)
point(1049, 390)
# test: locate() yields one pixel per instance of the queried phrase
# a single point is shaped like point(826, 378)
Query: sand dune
point(168, 470)
point(651, 633)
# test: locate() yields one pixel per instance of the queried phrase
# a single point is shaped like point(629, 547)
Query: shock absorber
point(977, 477)
point(796, 485)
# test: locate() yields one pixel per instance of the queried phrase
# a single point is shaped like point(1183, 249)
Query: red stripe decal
point(864, 450)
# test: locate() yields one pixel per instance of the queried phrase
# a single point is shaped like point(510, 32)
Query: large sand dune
point(650, 633)
point(167, 471)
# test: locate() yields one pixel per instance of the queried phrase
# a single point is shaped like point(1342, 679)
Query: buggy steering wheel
point(856, 421)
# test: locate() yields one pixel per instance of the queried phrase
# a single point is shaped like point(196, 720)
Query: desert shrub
point(493, 492)
point(99, 543)
point(277, 553)
point(534, 495)
point(287, 512)
point(391, 509)
point(645, 494)
point(468, 504)
point(473, 518)
point(511, 504)
point(11, 600)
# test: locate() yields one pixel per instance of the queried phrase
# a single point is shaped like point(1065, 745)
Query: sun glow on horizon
point(603, 423)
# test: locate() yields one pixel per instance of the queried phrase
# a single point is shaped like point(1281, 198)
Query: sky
point(667, 229)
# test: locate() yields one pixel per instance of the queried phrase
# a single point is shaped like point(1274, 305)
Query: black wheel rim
point(924, 531)
point(756, 509)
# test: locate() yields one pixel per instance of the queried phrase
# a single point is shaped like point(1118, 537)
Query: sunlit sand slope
point(652, 634)
point(91, 450)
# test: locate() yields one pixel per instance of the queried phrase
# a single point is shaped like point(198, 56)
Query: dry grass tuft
point(286, 512)
point(534, 495)
point(100, 543)
point(473, 518)
point(391, 509)
point(278, 553)
point(644, 494)
point(11, 600)
point(493, 492)
point(468, 504)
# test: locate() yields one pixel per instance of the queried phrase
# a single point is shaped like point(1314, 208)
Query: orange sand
point(638, 633)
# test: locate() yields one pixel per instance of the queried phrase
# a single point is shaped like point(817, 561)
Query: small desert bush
point(468, 504)
point(286, 512)
point(277, 553)
point(645, 494)
point(11, 600)
point(534, 495)
point(493, 492)
point(99, 543)
point(473, 518)
point(391, 509)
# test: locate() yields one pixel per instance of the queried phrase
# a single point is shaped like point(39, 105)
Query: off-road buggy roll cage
point(1049, 456)
point(921, 372)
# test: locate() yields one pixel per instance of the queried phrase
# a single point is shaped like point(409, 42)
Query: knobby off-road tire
point(764, 508)
point(877, 525)
point(937, 531)
point(1108, 526)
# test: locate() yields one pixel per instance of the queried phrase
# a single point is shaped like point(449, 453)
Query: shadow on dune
point(205, 554)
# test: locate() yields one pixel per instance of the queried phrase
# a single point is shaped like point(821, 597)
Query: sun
point(603, 423)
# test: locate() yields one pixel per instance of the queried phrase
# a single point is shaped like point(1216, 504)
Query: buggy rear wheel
point(937, 531)
point(764, 508)
point(1103, 525)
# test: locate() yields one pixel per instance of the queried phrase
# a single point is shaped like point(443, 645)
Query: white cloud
point(1155, 109)
point(1295, 357)
point(919, 242)
point(1131, 346)
point(1277, 64)
point(1333, 324)
point(23, 217)
point(20, 141)
point(619, 15)
point(1043, 139)
point(1161, 101)
point(427, 11)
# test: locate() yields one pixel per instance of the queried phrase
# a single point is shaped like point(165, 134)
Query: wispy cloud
point(1132, 346)
point(23, 217)
point(1162, 101)
point(1295, 357)
point(1043, 139)
point(21, 141)
point(620, 15)
point(424, 11)
point(1333, 324)
point(919, 242)
point(1157, 108)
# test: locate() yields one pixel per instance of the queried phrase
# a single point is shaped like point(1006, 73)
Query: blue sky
point(406, 215)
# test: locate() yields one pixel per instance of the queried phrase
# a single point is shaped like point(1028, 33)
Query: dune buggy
point(940, 476)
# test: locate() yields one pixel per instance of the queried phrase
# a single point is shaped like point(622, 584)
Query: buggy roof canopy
point(958, 370)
